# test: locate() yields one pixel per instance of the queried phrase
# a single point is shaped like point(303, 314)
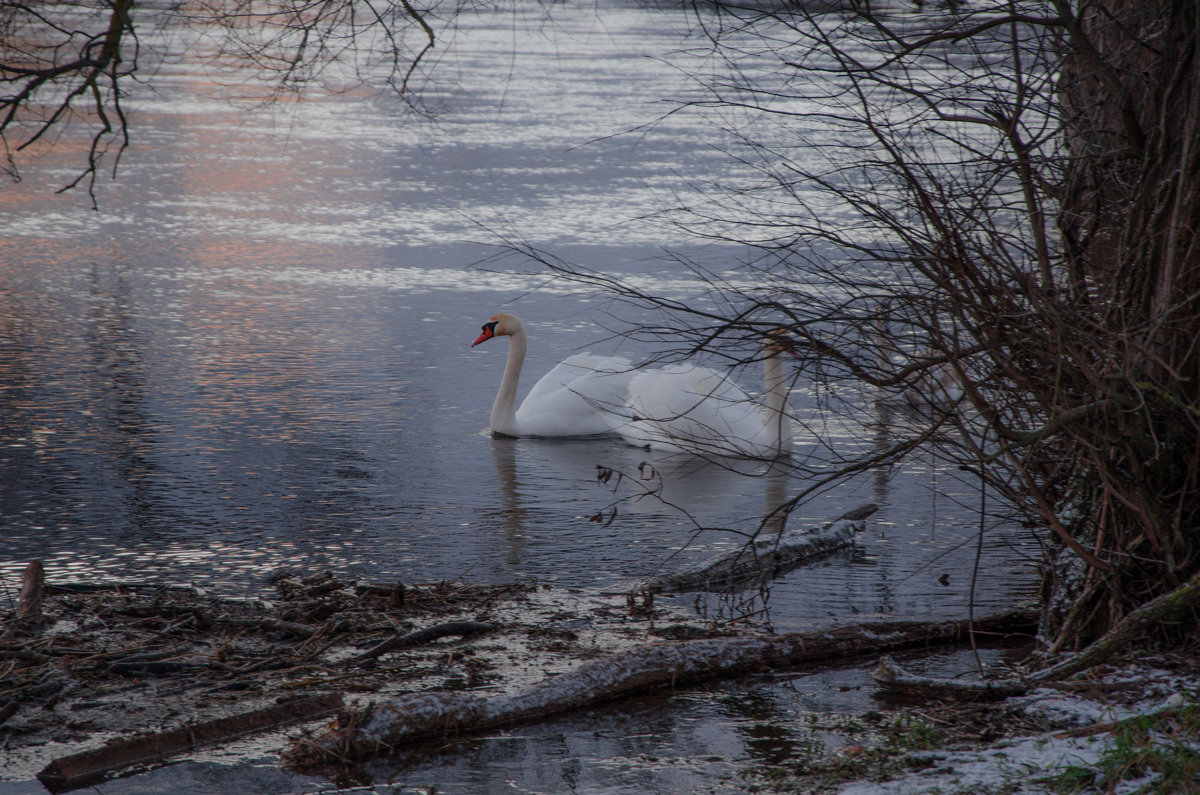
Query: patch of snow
point(1057, 710)
point(1021, 762)
point(1020, 766)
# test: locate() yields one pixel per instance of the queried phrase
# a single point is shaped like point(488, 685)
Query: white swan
point(677, 408)
point(582, 396)
point(693, 409)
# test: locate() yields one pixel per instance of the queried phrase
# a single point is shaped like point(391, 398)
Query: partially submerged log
point(766, 556)
point(383, 728)
point(77, 770)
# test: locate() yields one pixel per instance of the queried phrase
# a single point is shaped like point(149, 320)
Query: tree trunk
point(1130, 98)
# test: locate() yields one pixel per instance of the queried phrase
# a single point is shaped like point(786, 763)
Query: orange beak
point(489, 331)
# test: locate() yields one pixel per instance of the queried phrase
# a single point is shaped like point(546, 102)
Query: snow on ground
point(1022, 765)
point(991, 770)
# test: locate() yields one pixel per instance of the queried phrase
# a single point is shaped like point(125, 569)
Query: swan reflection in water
point(535, 476)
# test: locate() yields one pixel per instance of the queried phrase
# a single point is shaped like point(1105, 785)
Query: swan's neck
point(775, 398)
point(504, 410)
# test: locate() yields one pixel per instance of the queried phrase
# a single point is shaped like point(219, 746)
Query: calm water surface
point(255, 355)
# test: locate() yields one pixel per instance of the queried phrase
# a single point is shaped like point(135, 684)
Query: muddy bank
point(98, 680)
point(104, 680)
point(136, 674)
point(1131, 727)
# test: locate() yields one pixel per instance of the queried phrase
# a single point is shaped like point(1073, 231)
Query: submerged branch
point(767, 556)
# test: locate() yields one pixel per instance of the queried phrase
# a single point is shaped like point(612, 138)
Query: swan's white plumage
point(678, 408)
point(582, 396)
point(694, 409)
point(579, 397)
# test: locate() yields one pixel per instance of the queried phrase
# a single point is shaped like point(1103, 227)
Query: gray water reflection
point(255, 355)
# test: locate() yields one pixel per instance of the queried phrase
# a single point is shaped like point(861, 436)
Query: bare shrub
point(986, 211)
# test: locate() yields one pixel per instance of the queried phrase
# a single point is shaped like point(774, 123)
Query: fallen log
point(420, 716)
point(769, 555)
point(77, 770)
point(891, 677)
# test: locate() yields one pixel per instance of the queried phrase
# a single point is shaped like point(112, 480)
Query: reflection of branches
point(735, 604)
point(648, 484)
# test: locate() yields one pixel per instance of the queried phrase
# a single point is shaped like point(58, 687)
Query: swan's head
point(501, 325)
point(779, 340)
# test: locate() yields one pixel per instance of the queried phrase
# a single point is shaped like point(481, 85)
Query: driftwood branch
point(891, 677)
point(767, 556)
point(379, 729)
point(77, 770)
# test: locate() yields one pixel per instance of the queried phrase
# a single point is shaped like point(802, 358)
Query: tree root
point(1166, 608)
point(1163, 609)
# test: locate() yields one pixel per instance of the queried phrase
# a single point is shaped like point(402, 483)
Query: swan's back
point(694, 409)
point(583, 395)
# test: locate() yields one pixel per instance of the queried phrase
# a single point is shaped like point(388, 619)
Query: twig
point(461, 628)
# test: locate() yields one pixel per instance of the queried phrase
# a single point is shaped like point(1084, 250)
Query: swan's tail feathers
point(695, 410)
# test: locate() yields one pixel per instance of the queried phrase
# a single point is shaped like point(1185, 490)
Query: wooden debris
point(891, 677)
point(276, 625)
point(77, 770)
point(29, 604)
point(769, 555)
point(456, 628)
point(104, 654)
point(390, 725)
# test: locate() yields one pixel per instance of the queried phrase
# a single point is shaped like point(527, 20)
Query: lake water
point(255, 355)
